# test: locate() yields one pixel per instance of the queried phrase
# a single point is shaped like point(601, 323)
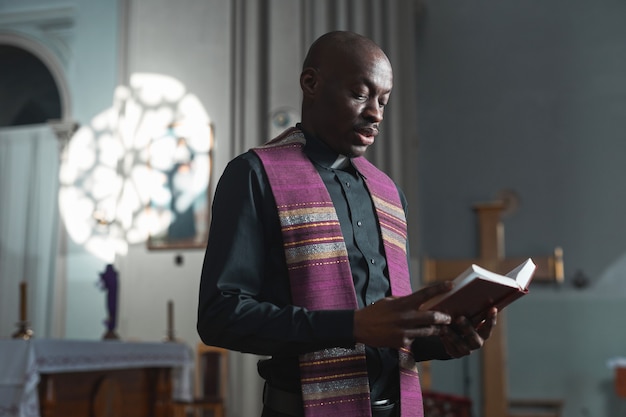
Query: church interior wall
point(529, 97)
point(80, 39)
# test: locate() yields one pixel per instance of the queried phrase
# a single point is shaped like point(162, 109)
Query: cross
point(491, 256)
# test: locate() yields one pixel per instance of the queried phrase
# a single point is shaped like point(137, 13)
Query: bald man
point(307, 259)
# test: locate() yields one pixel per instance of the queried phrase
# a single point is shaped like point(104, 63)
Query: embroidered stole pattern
point(335, 381)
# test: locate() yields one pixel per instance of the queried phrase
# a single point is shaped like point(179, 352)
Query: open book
point(477, 290)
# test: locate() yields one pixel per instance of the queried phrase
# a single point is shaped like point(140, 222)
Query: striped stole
point(335, 381)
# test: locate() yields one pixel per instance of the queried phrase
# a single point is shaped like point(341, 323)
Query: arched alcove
point(30, 94)
point(33, 88)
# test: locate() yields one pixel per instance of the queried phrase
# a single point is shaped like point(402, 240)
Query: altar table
point(48, 378)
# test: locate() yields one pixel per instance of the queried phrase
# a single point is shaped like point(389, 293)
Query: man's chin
point(356, 151)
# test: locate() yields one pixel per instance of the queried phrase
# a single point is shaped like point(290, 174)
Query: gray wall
point(531, 96)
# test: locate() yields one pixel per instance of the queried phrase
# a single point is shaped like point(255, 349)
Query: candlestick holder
point(23, 331)
point(110, 335)
point(170, 336)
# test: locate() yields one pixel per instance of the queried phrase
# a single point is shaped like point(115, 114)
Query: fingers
point(468, 334)
point(462, 337)
point(407, 313)
point(424, 294)
point(454, 343)
point(426, 331)
point(485, 328)
point(395, 322)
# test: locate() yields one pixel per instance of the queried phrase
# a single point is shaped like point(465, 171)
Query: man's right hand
point(396, 321)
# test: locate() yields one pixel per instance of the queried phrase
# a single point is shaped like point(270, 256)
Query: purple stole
point(334, 381)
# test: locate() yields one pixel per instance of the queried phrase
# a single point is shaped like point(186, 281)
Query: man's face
point(351, 102)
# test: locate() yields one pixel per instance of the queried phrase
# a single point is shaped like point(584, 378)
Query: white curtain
point(29, 163)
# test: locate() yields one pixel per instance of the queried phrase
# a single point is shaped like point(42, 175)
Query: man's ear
point(309, 81)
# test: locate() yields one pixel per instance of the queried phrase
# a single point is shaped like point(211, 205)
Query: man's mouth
point(367, 135)
point(368, 131)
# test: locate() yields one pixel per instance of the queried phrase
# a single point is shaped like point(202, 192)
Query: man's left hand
point(462, 337)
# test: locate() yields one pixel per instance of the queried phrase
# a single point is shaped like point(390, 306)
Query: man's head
point(346, 81)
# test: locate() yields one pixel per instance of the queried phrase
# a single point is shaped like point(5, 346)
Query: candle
point(23, 301)
point(170, 317)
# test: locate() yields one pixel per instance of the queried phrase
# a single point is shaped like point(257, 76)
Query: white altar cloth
point(23, 361)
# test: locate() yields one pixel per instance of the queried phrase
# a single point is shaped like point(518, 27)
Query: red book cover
point(478, 289)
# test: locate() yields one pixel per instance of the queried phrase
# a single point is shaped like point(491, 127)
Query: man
point(307, 255)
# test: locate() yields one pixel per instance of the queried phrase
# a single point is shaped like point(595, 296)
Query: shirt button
point(348, 184)
point(359, 223)
point(372, 261)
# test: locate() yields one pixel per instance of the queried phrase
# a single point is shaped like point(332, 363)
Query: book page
point(477, 271)
point(523, 273)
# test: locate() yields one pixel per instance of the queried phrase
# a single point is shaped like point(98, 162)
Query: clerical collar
point(341, 162)
point(321, 154)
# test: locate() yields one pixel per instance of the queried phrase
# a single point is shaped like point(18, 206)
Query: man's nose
point(374, 111)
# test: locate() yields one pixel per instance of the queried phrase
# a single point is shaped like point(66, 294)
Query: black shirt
point(245, 299)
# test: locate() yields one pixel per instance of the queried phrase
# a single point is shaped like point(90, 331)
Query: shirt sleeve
point(244, 298)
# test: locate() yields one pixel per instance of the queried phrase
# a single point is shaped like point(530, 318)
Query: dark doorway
point(28, 92)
